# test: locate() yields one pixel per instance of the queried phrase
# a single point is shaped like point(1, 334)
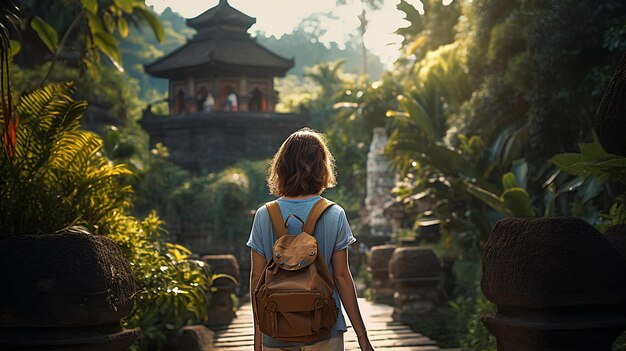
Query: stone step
point(384, 333)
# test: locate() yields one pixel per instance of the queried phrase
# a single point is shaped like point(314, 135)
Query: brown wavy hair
point(303, 165)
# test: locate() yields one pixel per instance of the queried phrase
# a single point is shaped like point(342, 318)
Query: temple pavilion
point(221, 95)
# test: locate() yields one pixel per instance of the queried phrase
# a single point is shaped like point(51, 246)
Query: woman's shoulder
point(261, 212)
point(335, 209)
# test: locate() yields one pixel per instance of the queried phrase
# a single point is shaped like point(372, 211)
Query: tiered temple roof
point(221, 44)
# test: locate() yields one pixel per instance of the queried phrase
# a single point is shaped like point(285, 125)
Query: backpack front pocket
point(295, 313)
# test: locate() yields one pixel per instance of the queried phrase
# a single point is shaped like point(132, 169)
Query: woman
point(300, 171)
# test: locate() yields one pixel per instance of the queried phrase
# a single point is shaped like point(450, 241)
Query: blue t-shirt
point(332, 233)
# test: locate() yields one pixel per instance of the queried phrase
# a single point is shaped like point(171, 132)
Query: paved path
point(384, 334)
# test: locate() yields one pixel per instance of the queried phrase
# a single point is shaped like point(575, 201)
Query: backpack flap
point(293, 252)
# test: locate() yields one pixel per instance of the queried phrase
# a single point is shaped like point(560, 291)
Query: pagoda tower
point(221, 95)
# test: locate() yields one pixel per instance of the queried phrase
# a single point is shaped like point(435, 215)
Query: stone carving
point(558, 285)
point(416, 275)
point(380, 181)
point(378, 265)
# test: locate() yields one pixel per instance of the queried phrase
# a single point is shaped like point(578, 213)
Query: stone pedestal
point(416, 274)
point(378, 265)
point(221, 307)
point(558, 285)
point(190, 338)
point(65, 291)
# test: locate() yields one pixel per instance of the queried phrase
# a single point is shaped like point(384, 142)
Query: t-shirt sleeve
point(255, 242)
point(344, 233)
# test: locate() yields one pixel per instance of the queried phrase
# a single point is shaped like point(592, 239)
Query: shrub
point(59, 178)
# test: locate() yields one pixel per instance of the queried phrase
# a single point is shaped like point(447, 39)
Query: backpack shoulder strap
point(277, 218)
point(316, 212)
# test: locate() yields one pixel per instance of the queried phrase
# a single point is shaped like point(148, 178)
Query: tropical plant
point(592, 162)
point(10, 20)
point(513, 202)
point(362, 108)
point(328, 78)
point(58, 178)
point(91, 25)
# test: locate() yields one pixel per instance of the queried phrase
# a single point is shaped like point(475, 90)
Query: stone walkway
point(384, 333)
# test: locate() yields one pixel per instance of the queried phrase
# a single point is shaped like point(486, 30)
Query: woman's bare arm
point(257, 264)
point(347, 292)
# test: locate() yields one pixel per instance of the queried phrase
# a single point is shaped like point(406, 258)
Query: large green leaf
point(109, 22)
point(95, 23)
point(108, 45)
point(491, 199)
point(125, 5)
point(90, 5)
point(15, 47)
point(569, 162)
point(514, 145)
point(446, 159)
point(46, 33)
point(153, 21)
point(517, 201)
point(122, 26)
point(593, 152)
point(509, 181)
point(419, 116)
point(520, 169)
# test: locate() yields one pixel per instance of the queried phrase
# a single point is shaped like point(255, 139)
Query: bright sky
point(277, 17)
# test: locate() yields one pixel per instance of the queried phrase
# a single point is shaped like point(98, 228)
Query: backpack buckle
point(318, 304)
point(272, 306)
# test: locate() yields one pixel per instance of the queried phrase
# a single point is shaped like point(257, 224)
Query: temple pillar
point(244, 99)
point(272, 95)
point(191, 104)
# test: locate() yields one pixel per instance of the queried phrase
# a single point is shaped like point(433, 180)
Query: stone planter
point(558, 285)
point(416, 274)
point(221, 308)
point(378, 265)
point(64, 291)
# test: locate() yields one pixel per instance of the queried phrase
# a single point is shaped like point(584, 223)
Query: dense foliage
point(485, 104)
point(59, 178)
point(485, 92)
point(54, 175)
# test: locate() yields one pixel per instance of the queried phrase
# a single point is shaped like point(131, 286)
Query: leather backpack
point(293, 300)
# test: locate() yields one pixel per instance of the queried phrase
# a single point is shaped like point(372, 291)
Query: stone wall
point(212, 141)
